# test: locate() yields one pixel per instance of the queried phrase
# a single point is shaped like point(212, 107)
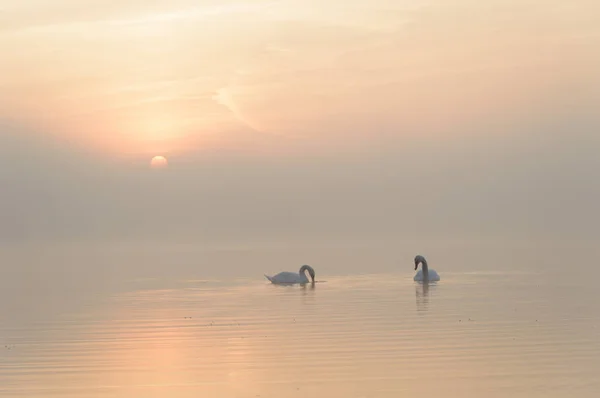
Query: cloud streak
point(375, 122)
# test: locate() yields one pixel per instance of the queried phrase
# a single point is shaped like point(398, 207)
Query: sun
point(158, 162)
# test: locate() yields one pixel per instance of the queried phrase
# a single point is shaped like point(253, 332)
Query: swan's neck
point(425, 270)
point(304, 271)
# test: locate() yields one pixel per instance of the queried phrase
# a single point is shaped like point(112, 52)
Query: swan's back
point(433, 276)
point(288, 277)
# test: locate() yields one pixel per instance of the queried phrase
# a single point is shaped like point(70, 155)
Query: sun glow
point(159, 162)
point(128, 81)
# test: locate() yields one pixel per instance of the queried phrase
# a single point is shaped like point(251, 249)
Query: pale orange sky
point(297, 118)
point(131, 76)
point(346, 134)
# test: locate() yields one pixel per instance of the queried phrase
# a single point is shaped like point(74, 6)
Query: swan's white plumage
point(288, 277)
point(420, 275)
point(292, 277)
point(433, 276)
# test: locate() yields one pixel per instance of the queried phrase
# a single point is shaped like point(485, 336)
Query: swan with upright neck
point(424, 274)
point(292, 277)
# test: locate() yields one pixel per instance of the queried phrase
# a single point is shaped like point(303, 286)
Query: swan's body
point(424, 274)
point(293, 277)
point(433, 276)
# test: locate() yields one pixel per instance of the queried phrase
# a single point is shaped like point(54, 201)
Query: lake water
point(488, 329)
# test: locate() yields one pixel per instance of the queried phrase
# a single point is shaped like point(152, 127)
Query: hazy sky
point(343, 120)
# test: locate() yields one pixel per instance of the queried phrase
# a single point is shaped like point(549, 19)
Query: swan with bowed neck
point(424, 274)
point(292, 277)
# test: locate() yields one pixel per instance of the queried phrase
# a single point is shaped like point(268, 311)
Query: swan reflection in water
point(308, 286)
point(308, 291)
point(422, 295)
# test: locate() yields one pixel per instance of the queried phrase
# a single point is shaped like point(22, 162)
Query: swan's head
point(310, 270)
point(419, 260)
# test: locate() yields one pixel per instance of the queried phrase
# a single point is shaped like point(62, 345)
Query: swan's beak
point(416, 266)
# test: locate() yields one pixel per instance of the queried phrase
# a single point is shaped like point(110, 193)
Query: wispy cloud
point(311, 69)
point(299, 120)
point(33, 16)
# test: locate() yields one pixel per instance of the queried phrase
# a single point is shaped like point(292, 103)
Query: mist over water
point(185, 322)
point(349, 135)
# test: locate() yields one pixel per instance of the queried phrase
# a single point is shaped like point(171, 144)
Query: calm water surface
point(474, 334)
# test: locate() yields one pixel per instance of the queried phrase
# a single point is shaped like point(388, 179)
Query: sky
point(294, 121)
